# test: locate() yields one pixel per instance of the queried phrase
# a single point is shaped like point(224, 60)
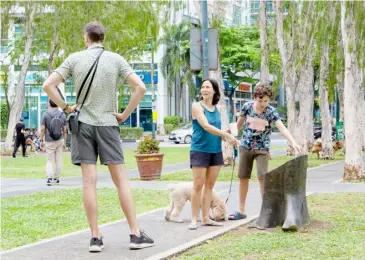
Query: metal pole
point(337, 107)
point(153, 90)
point(205, 38)
point(39, 111)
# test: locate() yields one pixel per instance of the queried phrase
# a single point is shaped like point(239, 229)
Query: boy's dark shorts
point(93, 141)
point(246, 158)
point(205, 160)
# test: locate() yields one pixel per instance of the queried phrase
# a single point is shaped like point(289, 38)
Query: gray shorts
point(92, 141)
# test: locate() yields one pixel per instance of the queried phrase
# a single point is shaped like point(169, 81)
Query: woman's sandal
point(236, 216)
point(212, 224)
point(193, 226)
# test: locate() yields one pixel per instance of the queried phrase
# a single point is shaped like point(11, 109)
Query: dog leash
point(235, 153)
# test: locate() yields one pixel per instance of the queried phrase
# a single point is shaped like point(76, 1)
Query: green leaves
point(176, 58)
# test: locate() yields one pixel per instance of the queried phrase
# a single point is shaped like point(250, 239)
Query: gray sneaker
point(140, 242)
point(96, 244)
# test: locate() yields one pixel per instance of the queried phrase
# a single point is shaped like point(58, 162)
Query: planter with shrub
point(149, 159)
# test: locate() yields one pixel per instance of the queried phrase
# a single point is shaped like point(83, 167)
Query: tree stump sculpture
point(284, 199)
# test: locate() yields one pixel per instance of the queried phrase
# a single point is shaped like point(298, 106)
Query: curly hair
point(261, 90)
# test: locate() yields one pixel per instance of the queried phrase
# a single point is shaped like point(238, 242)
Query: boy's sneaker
point(56, 181)
point(96, 244)
point(49, 182)
point(140, 242)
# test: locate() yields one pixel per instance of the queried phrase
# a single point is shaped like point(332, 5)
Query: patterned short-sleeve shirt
point(102, 99)
point(257, 127)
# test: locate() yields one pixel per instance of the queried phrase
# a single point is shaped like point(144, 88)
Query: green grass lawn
point(226, 172)
point(337, 232)
point(278, 147)
point(30, 218)
point(35, 166)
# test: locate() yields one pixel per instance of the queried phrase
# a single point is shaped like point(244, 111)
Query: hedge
point(131, 133)
point(3, 133)
point(168, 128)
point(173, 120)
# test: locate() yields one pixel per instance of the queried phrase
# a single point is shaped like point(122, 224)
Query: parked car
point(317, 131)
point(182, 134)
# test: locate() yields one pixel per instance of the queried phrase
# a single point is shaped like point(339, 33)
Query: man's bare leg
point(90, 199)
point(125, 196)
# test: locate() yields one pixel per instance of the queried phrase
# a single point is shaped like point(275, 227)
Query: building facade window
point(236, 15)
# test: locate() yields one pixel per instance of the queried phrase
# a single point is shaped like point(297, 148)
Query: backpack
point(55, 127)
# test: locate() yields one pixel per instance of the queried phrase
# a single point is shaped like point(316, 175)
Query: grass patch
point(30, 218)
point(278, 147)
point(338, 237)
point(35, 166)
point(226, 172)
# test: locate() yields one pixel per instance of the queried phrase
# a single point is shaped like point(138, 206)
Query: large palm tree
point(175, 63)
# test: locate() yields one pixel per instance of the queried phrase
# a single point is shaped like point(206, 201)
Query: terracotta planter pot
point(149, 166)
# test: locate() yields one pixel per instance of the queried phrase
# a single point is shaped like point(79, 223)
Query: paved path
point(169, 237)
point(15, 187)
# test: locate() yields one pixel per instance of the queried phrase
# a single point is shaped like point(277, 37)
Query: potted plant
point(149, 159)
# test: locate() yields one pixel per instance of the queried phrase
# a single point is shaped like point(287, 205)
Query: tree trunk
point(54, 44)
point(304, 126)
point(264, 73)
point(288, 57)
point(304, 129)
point(327, 149)
point(352, 96)
point(18, 102)
point(227, 149)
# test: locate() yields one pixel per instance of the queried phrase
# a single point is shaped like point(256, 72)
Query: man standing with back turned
point(98, 133)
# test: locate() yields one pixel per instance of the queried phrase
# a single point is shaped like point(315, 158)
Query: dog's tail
point(172, 186)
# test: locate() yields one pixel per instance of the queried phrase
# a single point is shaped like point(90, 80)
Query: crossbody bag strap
point(87, 76)
point(91, 81)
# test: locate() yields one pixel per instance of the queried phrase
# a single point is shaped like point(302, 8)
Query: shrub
point(131, 133)
point(173, 120)
point(4, 115)
point(168, 128)
point(3, 133)
point(148, 146)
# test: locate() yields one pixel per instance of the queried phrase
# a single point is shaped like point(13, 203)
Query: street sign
point(339, 131)
point(154, 116)
point(196, 49)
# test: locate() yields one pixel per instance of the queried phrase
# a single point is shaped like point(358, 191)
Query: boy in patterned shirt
point(257, 117)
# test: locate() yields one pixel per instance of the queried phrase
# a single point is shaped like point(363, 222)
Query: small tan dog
point(181, 193)
point(317, 147)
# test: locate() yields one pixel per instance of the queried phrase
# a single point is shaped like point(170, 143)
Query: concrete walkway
point(169, 237)
point(14, 187)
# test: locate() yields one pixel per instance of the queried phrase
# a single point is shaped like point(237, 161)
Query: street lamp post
point(153, 92)
point(205, 38)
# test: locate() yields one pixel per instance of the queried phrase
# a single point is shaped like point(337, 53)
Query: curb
point(137, 141)
point(196, 242)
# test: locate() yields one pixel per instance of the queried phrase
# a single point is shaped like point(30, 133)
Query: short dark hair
point(95, 31)
point(52, 104)
point(217, 94)
point(261, 90)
